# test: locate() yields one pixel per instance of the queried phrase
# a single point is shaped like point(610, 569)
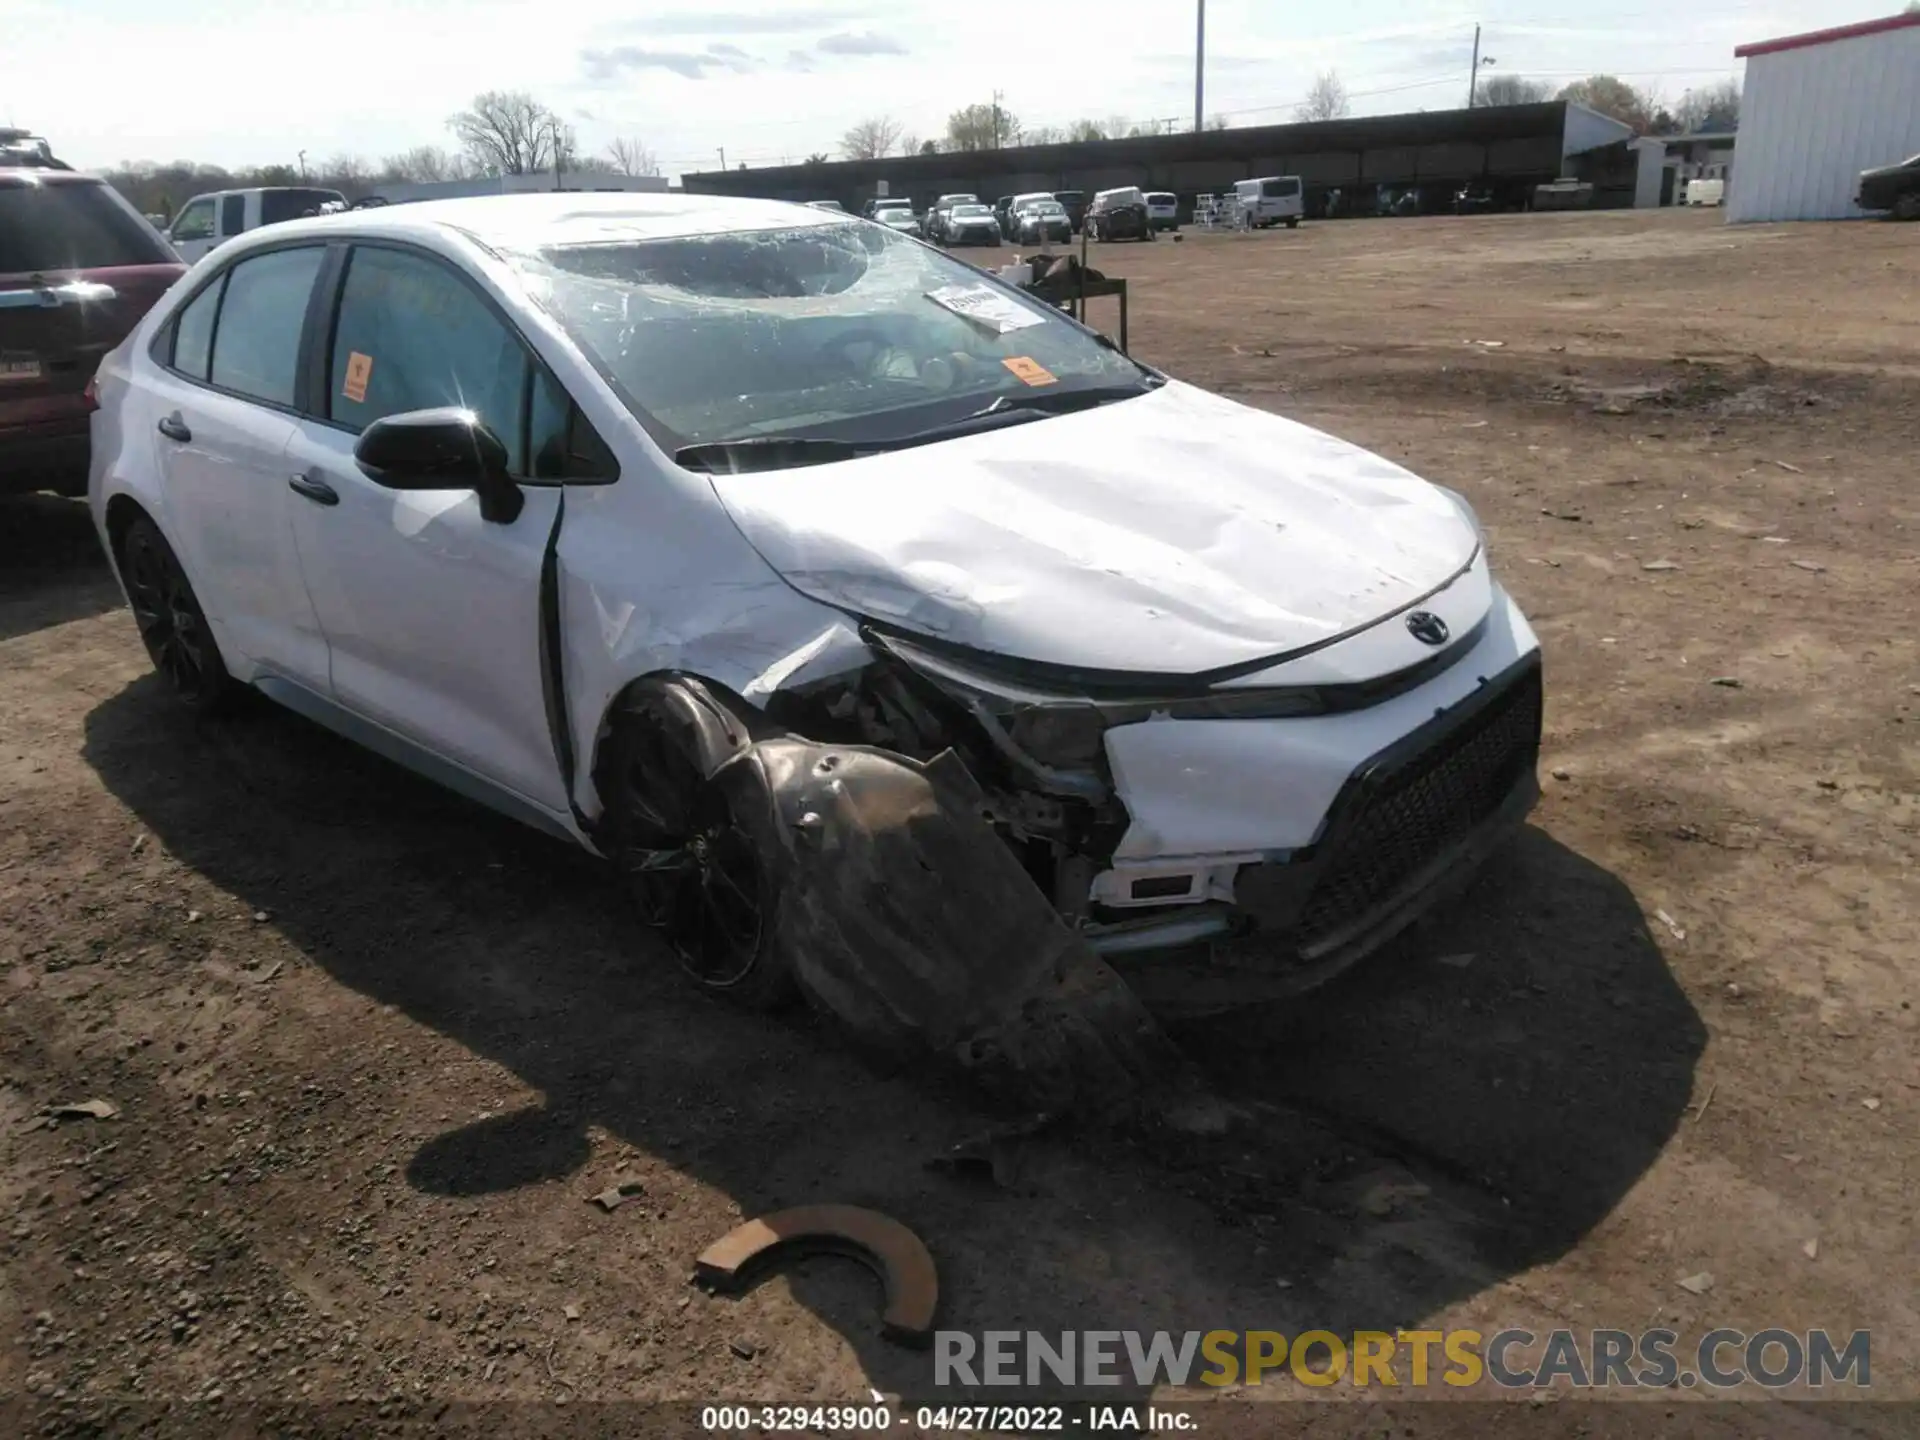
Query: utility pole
point(1473, 76)
point(1200, 69)
point(996, 119)
point(723, 157)
point(303, 167)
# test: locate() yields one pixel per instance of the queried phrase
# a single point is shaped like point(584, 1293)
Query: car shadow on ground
point(1433, 1122)
point(51, 566)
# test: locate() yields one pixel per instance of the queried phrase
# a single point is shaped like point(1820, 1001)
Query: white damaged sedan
point(876, 617)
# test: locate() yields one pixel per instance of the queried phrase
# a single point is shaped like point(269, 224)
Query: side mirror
point(443, 449)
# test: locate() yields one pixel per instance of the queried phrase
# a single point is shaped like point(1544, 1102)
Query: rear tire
point(172, 625)
point(698, 852)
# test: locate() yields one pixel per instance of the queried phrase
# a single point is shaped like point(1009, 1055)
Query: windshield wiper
point(1061, 402)
point(786, 452)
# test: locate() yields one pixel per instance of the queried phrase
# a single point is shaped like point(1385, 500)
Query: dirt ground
point(373, 1049)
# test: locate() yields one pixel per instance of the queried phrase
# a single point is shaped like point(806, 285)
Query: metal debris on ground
point(612, 1199)
point(885, 1246)
point(992, 1155)
point(1790, 469)
point(1811, 1249)
point(50, 1116)
point(1814, 566)
point(1697, 1284)
point(745, 1348)
point(1672, 924)
point(1660, 565)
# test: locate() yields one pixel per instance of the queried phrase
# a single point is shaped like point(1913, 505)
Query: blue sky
point(248, 81)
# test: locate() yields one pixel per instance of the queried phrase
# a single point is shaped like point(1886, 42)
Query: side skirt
point(402, 751)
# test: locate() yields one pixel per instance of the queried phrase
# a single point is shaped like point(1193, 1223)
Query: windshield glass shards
point(847, 332)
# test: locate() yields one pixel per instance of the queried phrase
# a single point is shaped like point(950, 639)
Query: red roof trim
point(1823, 37)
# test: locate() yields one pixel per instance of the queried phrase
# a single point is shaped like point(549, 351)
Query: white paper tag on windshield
point(985, 307)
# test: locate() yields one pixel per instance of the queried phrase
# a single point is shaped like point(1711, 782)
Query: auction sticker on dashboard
point(986, 307)
point(1030, 370)
point(359, 372)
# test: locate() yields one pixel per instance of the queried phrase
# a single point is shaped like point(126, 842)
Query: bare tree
point(1216, 122)
point(425, 164)
point(508, 132)
point(1043, 135)
point(819, 157)
point(871, 139)
point(929, 147)
point(909, 144)
point(1086, 130)
point(982, 127)
point(629, 156)
point(1713, 107)
point(1513, 90)
point(1327, 100)
point(349, 174)
point(1613, 96)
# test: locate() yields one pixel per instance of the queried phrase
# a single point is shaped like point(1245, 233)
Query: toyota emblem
point(1428, 628)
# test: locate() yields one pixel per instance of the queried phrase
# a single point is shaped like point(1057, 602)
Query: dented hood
point(1174, 533)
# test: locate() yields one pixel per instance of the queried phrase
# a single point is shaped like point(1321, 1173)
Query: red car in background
point(79, 266)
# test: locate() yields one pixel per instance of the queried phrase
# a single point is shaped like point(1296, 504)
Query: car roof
point(36, 175)
point(514, 222)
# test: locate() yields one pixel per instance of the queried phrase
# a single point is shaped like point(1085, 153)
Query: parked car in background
point(1010, 221)
point(897, 215)
point(1476, 197)
point(936, 222)
point(833, 205)
point(79, 266)
point(1076, 204)
point(1042, 222)
point(970, 224)
point(1704, 191)
point(1163, 210)
point(1895, 188)
point(1271, 200)
point(213, 219)
point(870, 543)
point(1119, 214)
point(1003, 212)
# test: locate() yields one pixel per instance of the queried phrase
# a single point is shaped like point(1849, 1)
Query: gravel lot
point(373, 1049)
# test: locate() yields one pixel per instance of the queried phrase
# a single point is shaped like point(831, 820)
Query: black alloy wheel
point(172, 625)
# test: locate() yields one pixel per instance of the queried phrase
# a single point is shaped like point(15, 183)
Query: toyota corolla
point(867, 611)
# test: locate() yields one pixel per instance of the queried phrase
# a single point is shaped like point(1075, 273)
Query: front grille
point(1431, 801)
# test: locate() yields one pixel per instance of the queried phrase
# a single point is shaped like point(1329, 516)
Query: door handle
point(174, 428)
point(314, 489)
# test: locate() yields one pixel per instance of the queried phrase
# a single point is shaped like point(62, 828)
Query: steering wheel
point(872, 335)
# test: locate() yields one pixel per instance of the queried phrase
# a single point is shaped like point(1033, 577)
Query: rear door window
point(413, 335)
point(193, 332)
point(256, 347)
point(233, 214)
point(1281, 189)
point(73, 226)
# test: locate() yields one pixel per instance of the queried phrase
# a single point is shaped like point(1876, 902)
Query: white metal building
point(1817, 109)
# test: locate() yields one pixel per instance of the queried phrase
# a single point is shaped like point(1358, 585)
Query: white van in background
point(1705, 192)
point(207, 220)
point(1271, 200)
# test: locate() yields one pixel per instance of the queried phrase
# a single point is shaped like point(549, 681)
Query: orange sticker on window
point(359, 372)
point(1031, 371)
